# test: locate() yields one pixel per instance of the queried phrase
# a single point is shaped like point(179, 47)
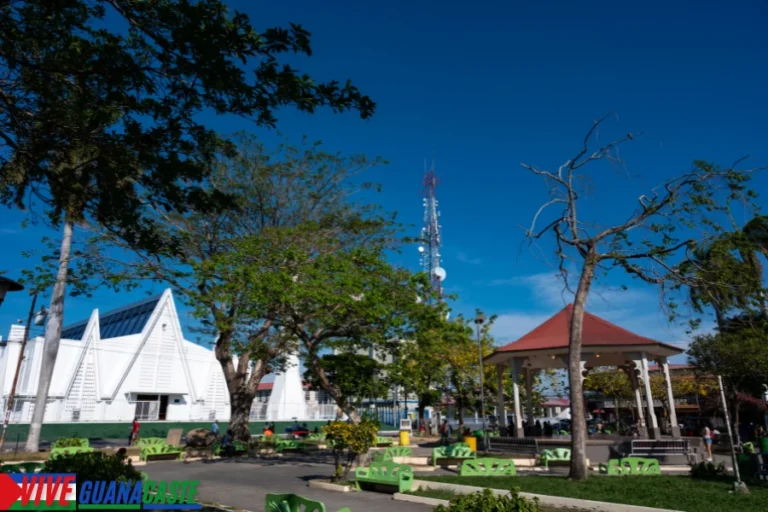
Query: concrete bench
point(488, 467)
point(392, 452)
point(23, 467)
point(293, 503)
point(399, 476)
point(68, 450)
point(662, 448)
point(148, 441)
point(454, 454)
point(631, 466)
point(384, 441)
point(519, 445)
point(556, 455)
point(160, 452)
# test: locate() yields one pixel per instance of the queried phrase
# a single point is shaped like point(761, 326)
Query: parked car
point(297, 431)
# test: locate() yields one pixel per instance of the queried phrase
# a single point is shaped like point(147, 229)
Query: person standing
point(134, 437)
point(215, 428)
point(707, 435)
point(444, 433)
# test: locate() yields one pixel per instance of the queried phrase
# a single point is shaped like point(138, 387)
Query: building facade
point(126, 363)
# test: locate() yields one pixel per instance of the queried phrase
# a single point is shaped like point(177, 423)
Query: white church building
point(134, 362)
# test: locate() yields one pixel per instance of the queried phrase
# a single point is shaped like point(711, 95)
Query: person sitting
point(227, 450)
point(268, 432)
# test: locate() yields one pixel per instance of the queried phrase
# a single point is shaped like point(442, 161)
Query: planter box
point(327, 485)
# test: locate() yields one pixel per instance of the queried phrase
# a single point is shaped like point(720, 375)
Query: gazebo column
point(662, 361)
point(529, 400)
point(632, 371)
point(653, 426)
point(514, 368)
point(501, 413)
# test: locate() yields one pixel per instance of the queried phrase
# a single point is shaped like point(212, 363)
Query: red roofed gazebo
point(603, 344)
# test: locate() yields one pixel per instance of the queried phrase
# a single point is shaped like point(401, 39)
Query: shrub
point(708, 471)
point(487, 501)
point(94, 466)
point(66, 442)
point(347, 442)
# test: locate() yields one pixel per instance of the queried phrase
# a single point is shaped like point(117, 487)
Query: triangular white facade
point(287, 400)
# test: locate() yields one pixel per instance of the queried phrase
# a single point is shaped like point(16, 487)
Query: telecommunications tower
point(430, 234)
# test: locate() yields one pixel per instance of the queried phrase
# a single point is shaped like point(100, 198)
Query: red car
point(297, 431)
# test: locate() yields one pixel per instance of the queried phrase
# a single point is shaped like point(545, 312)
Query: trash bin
point(472, 442)
point(405, 438)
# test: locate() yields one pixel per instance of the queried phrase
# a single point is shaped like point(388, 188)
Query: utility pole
point(12, 394)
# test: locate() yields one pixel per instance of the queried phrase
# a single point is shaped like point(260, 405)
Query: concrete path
point(244, 484)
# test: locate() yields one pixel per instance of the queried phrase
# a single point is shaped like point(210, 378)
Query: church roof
point(554, 334)
point(123, 321)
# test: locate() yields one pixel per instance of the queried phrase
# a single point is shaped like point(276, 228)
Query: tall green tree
point(355, 377)
point(649, 244)
point(100, 117)
point(292, 197)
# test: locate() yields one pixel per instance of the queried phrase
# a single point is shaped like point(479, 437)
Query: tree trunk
point(422, 420)
point(52, 339)
point(240, 386)
point(341, 401)
point(578, 469)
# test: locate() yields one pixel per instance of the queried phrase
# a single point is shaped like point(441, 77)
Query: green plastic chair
point(294, 503)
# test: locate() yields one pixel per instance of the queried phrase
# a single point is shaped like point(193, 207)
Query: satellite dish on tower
point(421, 249)
point(440, 273)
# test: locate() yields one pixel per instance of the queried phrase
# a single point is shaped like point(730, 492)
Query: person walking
point(444, 433)
point(707, 435)
point(215, 428)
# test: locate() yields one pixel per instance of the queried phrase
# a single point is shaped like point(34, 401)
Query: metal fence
point(314, 412)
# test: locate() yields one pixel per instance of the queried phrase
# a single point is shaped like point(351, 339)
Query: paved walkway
point(244, 484)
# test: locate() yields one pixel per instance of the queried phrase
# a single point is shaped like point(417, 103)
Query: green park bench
point(23, 467)
point(384, 441)
point(454, 453)
point(387, 474)
point(555, 455)
point(160, 452)
point(392, 452)
point(631, 466)
point(71, 442)
point(488, 467)
point(68, 450)
point(149, 441)
point(288, 444)
point(316, 437)
point(294, 503)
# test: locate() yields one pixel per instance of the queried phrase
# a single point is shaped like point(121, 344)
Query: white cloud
point(511, 326)
point(462, 257)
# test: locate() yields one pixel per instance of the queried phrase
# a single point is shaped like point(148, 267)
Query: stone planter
point(330, 486)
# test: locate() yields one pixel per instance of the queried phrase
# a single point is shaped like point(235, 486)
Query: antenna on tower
point(430, 232)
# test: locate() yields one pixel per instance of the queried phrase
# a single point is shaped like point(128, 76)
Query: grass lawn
point(670, 492)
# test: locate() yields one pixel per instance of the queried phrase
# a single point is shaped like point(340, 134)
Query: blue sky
point(482, 87)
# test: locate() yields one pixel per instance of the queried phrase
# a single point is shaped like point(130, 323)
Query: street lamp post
point(7, 285)
point(479, 320)
point(39, 319)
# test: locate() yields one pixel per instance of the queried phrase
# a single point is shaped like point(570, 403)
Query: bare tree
point(651, 244)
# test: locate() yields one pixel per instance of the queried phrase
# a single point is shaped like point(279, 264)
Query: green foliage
point(99, 117)
point(487, 501)
point(738, 353)
point(66, 442)
point(355, 376)
point(348, 441)
point(708, 471)
point(94, 466)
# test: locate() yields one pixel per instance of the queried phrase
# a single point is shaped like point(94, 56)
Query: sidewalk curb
point(423, 500)
point(550, 501)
